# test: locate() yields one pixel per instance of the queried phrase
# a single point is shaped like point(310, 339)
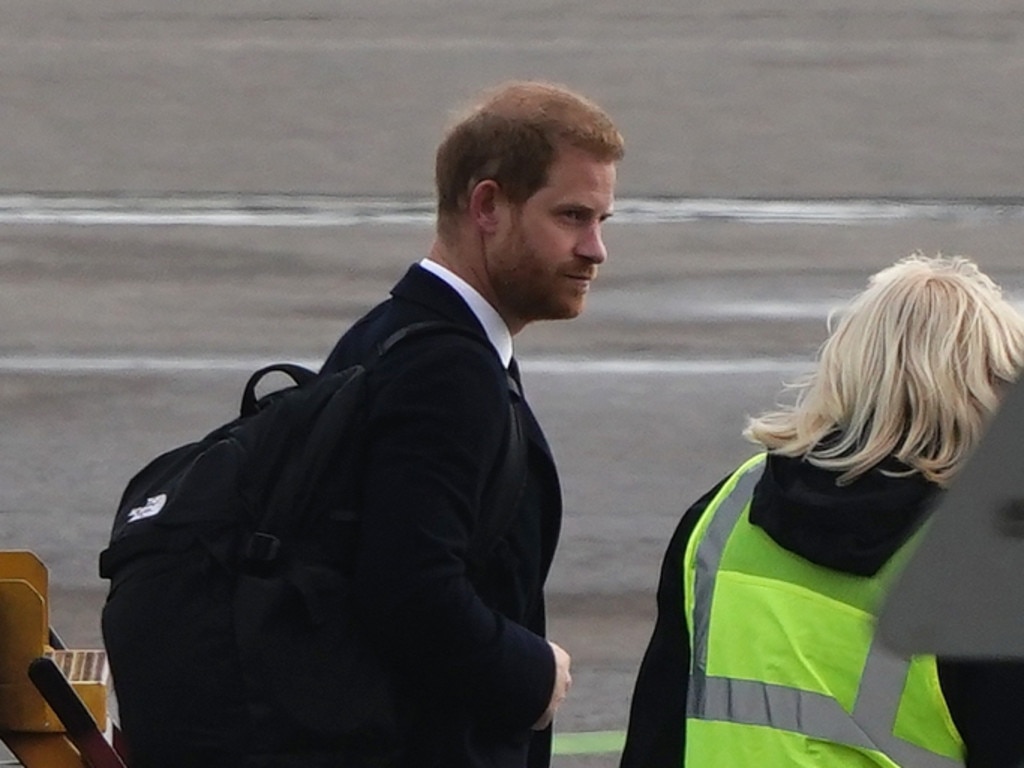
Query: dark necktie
point(513, 371)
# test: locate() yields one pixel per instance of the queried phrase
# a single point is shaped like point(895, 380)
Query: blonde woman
point(763, 653)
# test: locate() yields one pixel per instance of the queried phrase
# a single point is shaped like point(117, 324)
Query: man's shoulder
point(418, 297)
point(441, 375)
point(445, 349)
point(356, 342)
point(362, 341)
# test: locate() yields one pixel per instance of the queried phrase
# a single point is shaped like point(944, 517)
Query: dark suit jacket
point(469, 647)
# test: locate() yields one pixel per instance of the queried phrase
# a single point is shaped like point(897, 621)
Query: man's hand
point(563, 681)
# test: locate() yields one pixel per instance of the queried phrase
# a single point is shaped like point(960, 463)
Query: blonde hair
point(912, 370)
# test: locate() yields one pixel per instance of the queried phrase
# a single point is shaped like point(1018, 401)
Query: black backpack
point(263, 497)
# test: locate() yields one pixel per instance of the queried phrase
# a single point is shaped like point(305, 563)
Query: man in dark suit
point(223, 662)
point(524, 181)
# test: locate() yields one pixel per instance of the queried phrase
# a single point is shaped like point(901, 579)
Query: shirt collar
point(495, 328)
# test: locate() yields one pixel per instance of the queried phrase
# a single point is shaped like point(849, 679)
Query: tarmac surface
point(121, 339)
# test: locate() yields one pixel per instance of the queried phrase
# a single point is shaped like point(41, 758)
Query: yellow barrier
point(28, 726)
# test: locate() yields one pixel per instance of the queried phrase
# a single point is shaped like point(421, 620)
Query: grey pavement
point(769, 99)
point(737, 97)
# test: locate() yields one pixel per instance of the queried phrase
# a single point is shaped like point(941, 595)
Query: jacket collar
point(420, 287)
point(493, 324)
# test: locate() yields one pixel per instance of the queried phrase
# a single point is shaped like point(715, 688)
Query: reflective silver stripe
point(881, 686)
point(748, 702)
point(708, 559)
point(878, 701)
point(789, 709)
point(786, 708)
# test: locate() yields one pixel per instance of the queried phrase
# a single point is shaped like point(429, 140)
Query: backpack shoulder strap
point(501, 498)
point(423, 328)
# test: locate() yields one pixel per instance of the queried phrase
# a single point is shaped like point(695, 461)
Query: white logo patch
point(152, 507)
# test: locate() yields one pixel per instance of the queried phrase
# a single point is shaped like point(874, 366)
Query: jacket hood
point(853, 528)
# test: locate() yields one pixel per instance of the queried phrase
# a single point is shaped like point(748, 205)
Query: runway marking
point(228, 41)
point(589, 743)
point(327, 211)
point(556, 366)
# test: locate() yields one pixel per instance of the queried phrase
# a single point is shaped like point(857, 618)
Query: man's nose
point(592, 246)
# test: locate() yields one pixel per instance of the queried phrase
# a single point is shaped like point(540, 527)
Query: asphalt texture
point(119, 340)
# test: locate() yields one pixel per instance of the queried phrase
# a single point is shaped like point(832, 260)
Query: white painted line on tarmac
point(675, 367)
point(73, 364)
point(555, 366)
point(328, 211)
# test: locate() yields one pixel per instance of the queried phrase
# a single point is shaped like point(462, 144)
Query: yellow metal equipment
point(31, 729)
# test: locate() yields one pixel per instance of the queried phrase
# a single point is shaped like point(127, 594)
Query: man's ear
point(487, 206)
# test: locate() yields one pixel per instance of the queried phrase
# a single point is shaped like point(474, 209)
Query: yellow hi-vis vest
point(784, 667)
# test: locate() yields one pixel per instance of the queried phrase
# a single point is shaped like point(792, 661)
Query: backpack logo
point(152, 507)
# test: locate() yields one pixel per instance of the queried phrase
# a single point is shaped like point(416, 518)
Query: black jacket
point(469, 646)
point(854, 529)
